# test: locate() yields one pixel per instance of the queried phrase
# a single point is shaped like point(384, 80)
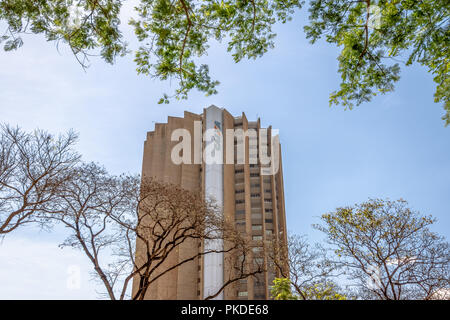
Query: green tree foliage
point(388, 250)
point(323, 291)
point(83, 25)
point(281, 289)
point(175, 33)
point(375, 37)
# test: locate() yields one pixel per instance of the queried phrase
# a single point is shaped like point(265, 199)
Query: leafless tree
point(32, 167)
point(307, 266)
point(110, 216)
point(170, 216)
point(245, 259)
point(388, 250)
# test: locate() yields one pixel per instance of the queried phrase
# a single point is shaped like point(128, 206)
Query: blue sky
point(395, 146)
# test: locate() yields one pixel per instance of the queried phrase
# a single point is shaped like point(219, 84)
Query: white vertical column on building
point(213, 156)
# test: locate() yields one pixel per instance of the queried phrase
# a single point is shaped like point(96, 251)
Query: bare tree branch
point(32, 169)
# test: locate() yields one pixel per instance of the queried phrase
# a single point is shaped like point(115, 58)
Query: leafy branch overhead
point(175, 33)
point(375, 37)
point(83, 25)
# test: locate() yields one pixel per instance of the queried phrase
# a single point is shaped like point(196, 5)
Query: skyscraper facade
point(238, 164)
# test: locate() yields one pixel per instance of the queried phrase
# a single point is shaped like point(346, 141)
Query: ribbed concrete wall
point(228, 184)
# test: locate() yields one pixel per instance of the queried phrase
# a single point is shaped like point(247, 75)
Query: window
point(255, 185)
point(256, 216)
point(269, 220)
point(240, 201)
point(239, 171)
point(257, 238)
point(243, 294)
point(254, 174)
point(239, 191)
point(255, 195)
point(268, 210)
point(256, 227)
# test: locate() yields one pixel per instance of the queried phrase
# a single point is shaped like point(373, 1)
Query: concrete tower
point(247, 188)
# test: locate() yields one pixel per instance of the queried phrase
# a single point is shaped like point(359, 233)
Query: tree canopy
point(32, 171)
point(282, 290)
point(376, 37)
point(388, 250)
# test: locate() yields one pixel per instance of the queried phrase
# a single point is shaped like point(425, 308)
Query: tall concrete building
point(247, 188)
